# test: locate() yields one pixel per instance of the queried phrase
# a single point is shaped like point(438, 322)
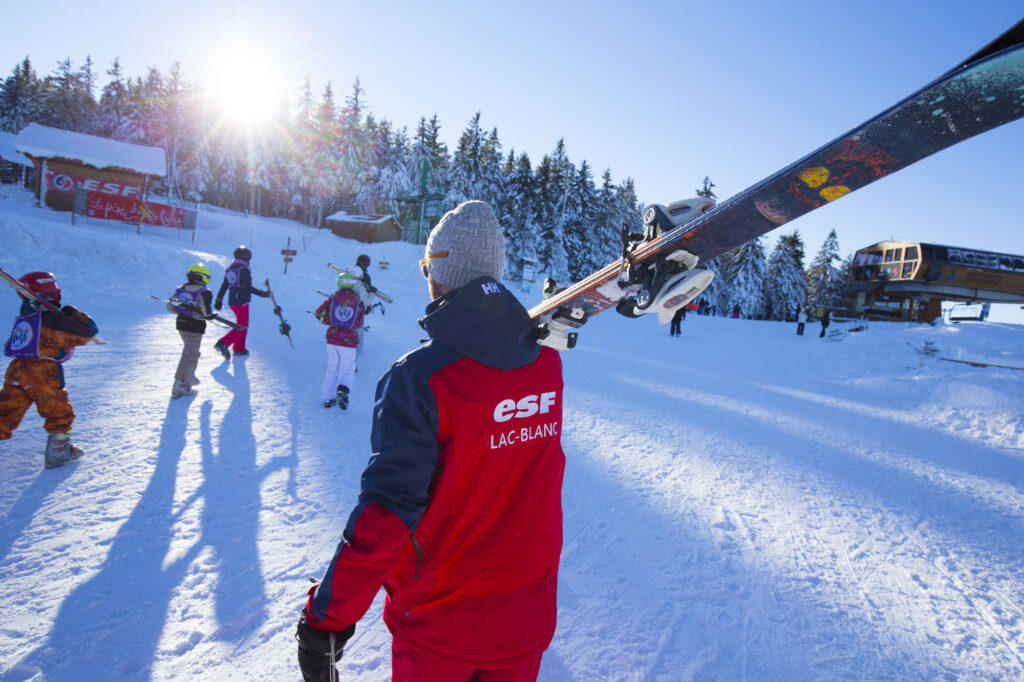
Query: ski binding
point(662, 285)
point(559, 331)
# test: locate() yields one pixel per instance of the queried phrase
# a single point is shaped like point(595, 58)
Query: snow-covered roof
point(353, 218)
point(8, 152)
point(99, 152)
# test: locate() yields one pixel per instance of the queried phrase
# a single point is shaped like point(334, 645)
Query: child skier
point(41, 341)
point(237, 279)
point(343, 314)
point(191, 325)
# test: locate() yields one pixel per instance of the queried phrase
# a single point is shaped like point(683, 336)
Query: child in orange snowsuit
point(43, 339)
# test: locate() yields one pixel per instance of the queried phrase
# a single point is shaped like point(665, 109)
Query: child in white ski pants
point(341, 370)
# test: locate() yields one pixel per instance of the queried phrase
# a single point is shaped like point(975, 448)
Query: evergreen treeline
point(320, 156)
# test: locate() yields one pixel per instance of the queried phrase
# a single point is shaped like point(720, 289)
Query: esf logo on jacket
point(527, 406)
point(524, 407)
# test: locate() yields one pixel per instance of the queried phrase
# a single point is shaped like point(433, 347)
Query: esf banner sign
point(65, 182)
point(129, 210)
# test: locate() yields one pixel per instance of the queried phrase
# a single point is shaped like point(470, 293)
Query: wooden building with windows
point(901, 280)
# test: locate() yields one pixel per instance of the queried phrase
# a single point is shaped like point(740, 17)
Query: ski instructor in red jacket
point(460, 514)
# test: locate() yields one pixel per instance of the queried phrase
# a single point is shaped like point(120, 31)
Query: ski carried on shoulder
point(194, 308)
point(12, 282)
point(284, 327)
point(658, 272)
point(369, 287)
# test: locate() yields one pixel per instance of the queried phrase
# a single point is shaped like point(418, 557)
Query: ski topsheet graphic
point(657, 274)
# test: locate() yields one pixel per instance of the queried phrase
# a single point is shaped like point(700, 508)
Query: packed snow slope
point(740, 503)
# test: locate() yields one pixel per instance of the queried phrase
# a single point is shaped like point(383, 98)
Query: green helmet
point(347, 280)
point(199, 272)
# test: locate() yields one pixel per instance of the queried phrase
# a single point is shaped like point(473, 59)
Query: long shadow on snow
point(123, 607)
point(230, 518)
point(26, 507)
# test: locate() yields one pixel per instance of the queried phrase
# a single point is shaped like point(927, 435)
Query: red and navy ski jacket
point(460, 512)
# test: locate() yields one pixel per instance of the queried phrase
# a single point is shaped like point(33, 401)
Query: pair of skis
point(194, 308)
point(12, 282)
point(372, 289)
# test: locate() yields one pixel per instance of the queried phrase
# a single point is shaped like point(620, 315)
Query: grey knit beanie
point(470, 236)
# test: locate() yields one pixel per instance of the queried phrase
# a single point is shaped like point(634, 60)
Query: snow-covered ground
point(741, 503)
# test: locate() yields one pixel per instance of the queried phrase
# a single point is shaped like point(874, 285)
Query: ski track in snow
point(740, 503)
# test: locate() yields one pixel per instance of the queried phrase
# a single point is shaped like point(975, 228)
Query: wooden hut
point(365, 228)
point(65, 161)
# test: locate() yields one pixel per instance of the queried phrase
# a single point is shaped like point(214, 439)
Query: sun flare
point(243, 88)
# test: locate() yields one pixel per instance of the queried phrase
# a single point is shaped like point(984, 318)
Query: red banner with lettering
point(65, 182)
point(129, 210)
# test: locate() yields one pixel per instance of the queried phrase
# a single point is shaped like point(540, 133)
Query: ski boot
point(241, 353)
point(59, 450)
point(181, 389)
point(222, 348)
point(343, 397)
point(193, 380)
point(330, 403)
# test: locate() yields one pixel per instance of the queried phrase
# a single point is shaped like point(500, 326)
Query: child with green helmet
point(343, 314)
point(191, 325)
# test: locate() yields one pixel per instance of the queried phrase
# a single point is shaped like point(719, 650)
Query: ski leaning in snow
point(193, 307)
point(370, 288)
point(284, 327)
point(657, 274)
point(12, 282)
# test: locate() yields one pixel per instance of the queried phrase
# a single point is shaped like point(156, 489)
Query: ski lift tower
point(429, 202)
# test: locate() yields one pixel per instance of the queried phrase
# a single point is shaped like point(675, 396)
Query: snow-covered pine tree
point(389, 176)
point(518, 216)
point(551, 251)
point(67, 97)
point(491, 182)
point(464, 173)
point(354, 148)
point(113, 107)
point(607, 221)
point(427, 146)
point(785, 287)
point(746, 279)
point(20, 98)
point(824, 278)
point(578, 227)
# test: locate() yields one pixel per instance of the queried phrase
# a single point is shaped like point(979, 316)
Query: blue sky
point(664, 92)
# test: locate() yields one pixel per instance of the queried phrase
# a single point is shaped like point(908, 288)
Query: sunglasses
point(425, 263)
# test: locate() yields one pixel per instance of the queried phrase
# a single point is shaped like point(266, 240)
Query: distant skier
point(343, 314)
point(676, 327)
point(362, 263)
point(826, 320)
point(735, 312)
point(238, 283)
point(191, 325)
point(802, 318)
point(41, 341)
